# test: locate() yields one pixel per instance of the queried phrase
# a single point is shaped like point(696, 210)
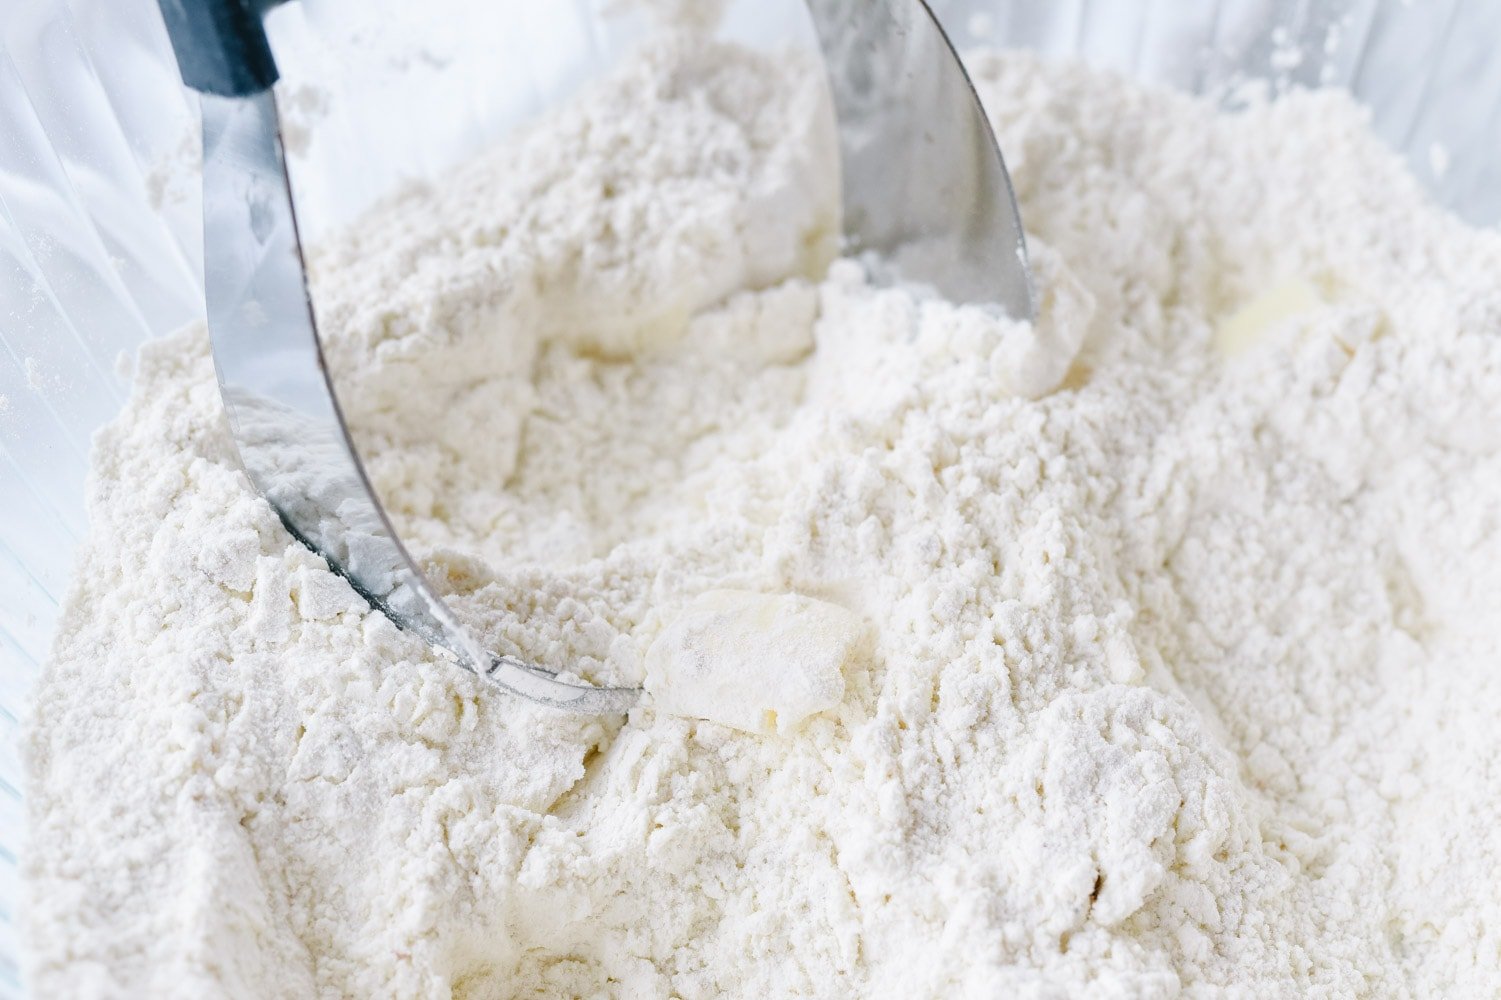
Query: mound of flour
point(1181, 609)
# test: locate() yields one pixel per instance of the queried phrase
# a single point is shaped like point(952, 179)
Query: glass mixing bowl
point(100, 245)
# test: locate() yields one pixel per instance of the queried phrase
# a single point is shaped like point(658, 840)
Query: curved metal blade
point(925, 186)
point(282, 410)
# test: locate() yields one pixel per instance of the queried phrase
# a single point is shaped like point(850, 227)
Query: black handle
point(221, 45)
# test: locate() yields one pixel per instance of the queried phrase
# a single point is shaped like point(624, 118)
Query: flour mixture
point(1149, 651)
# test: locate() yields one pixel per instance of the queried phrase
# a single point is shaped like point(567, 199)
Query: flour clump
point(1176, 662)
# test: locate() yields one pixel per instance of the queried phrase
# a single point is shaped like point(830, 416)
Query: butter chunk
point(757, 662)
point(1252, 321)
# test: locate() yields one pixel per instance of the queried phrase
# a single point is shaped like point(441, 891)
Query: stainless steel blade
point(282, 410)
point(925, 187)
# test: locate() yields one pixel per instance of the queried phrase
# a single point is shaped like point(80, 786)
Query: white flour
point(1182, 610)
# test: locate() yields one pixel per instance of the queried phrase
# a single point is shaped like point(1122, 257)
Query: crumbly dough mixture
point(1166, 658)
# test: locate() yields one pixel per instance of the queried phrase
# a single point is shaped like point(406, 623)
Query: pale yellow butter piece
point(762, 663)
point(1284, 300)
